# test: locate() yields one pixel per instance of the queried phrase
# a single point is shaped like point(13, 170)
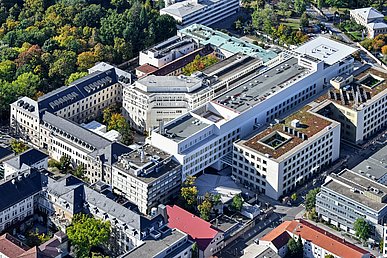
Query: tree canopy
point(86, 232)
point(47, 44)
point(362, 229)
point(295, 248)
point(18, 146)
point(310, 199)
point(237, 202)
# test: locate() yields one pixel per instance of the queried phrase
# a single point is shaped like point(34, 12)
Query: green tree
point(238, 25)
point(75, 76)
point(237, 202)
point(79, 171)
point(86, 232)
point(362, 229)
point(18, 146)
point(294, 197)
point(310, 199)
point(7, 70)
point(320, 3)
point(64, 163)
point(199, 64)
point(118, 122)
point(381, 246)
point(312, 215)
point(299, 6)
point(295, 248)
point(304, 20)
point(205, 207)
point(329, 256)
point(189, 192)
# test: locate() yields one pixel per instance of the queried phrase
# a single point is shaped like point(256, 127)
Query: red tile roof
point(198, 229)
point(11, 247)
point(147, 68)
point(317, 236)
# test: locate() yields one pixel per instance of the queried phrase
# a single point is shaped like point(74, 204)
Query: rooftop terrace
point(259, 87)
point(206, 35)
point(142, 163)
point(169, 45)
point(284, 136)
point(367, 83)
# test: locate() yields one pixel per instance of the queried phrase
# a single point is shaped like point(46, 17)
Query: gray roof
point(109, 154)
point(259, 87)
point(369, 13)
point(359, 189)
point(16, 190)
point(29, 157)
point(76, 192)
point(375, 166)
point(73, 129)
point(152, 247)
point(79, 89)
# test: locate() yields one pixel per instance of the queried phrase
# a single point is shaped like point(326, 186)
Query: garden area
point(352, 30)
point(377, 46)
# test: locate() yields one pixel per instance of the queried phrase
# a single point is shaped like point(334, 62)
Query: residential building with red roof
point(208, 239)
point(317, 242)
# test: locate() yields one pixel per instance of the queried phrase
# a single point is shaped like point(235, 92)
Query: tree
point(118, 122)
point(299, 6)
point(7, 70)
point(362, 229)
point(238, 25)
point(75, 76)
point(79, 171)
point(304, 20)
point(295, 248)
point(64, 164)
point(189, 192)
point(86, 232)
point(381, 246)
point(320, 3)
point(205, 207)
point(329, 256)
point(312, 215)
point(294, 197)
point(384, 50)
point(199, 64)
point(310, 199)
point(237, 202)
point(18, 146)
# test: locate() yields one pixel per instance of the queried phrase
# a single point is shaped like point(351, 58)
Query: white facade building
point(204, 136)
point(275, 161)
point(167, 51)
point(23, 162)
point(358, 101)
point(159, 99)
point(371, 19)
point(204, 12)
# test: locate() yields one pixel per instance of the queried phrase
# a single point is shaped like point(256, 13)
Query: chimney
point(162, 209)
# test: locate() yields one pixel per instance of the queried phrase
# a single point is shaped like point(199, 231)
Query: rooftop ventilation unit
point(295, 123)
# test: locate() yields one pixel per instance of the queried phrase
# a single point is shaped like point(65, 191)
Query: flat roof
point(147, 158)
point(375, 166)
point(184, 127)
point(152, 247)
point(259, 251)
point(368, 82)
point(168, 45)
point(347, 180)
point(181, 83)
point(282, 141)
point(259, 87)
point(326, 50)
point(206, 35)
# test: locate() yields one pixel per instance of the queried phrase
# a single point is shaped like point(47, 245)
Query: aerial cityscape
point(193, 129)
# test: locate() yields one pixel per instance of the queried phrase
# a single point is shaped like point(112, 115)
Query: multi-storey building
point(371, 19)
point(154, 99)
point(225, 45)
point(202, 12)
point(64, 198)
point(358, 101)
point(31, 158)
point(146, 177)
point(167, 242)
point(374, 167)
point(316, 242)
point(276, 160)
point(167, 51)
point(19, 197)
point(204, 136)
point(347, 196)
point(80, 102)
